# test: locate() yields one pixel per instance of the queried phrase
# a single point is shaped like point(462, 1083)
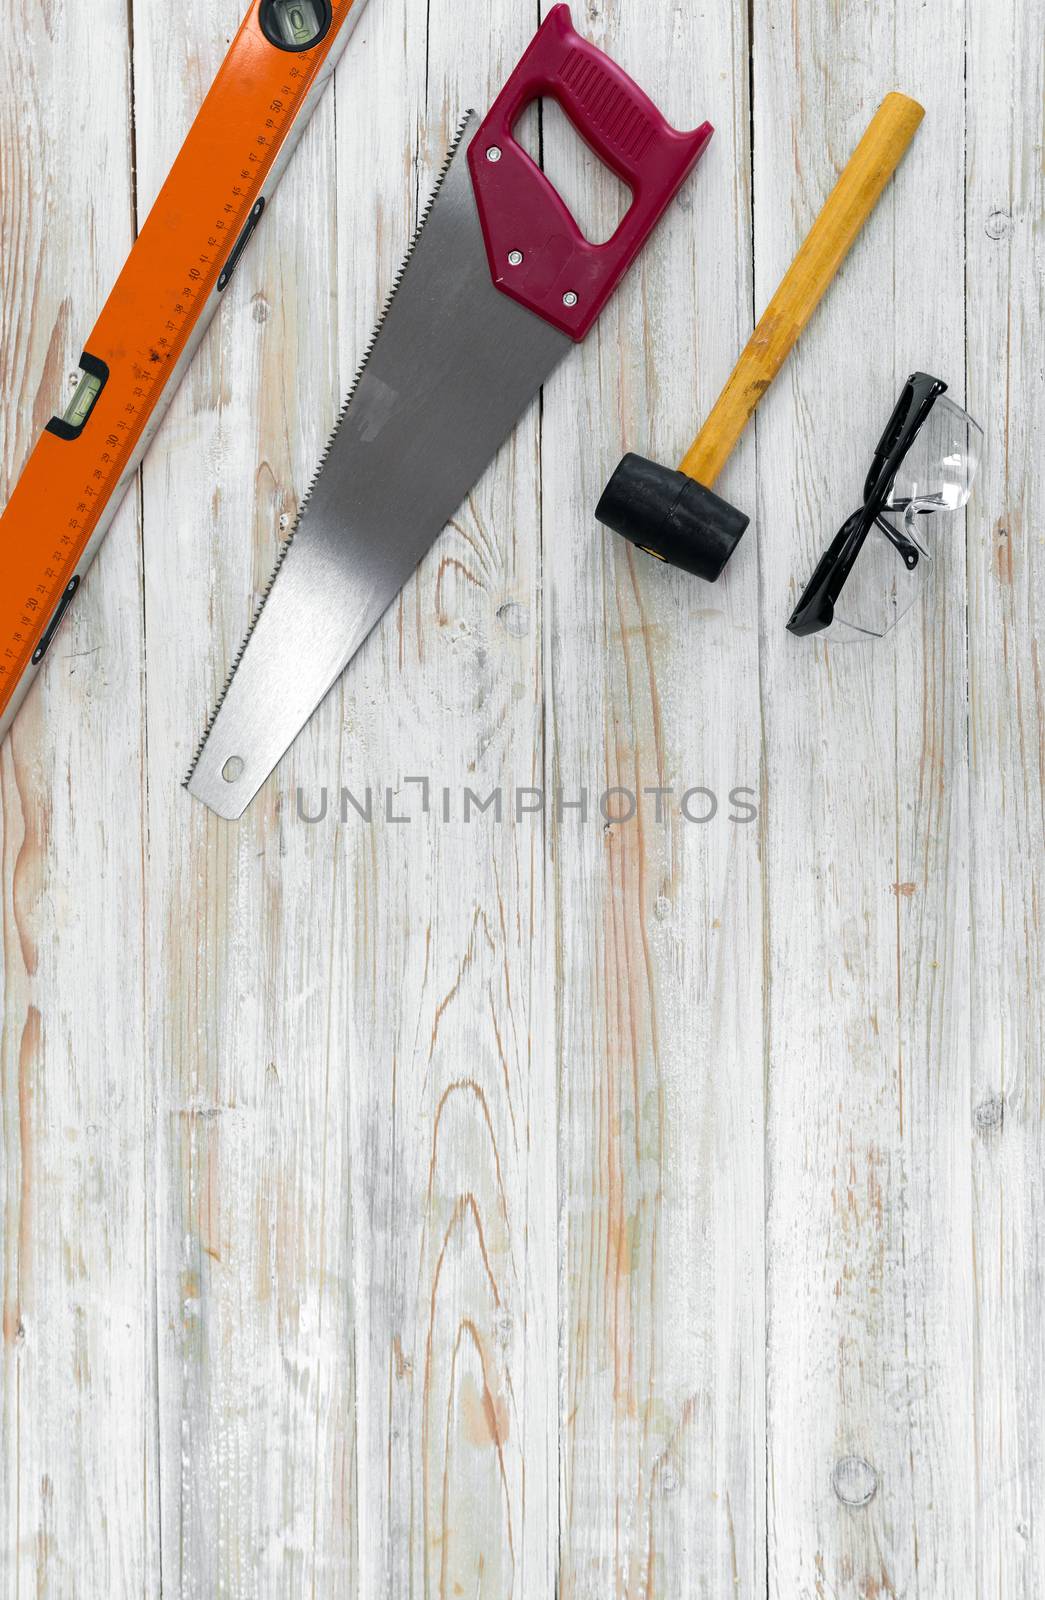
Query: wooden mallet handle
point(851, 202)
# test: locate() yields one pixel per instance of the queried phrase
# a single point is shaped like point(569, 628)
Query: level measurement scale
point(180, 266)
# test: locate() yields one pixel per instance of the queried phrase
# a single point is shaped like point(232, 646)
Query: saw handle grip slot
point(77, 414)
point(537, 253)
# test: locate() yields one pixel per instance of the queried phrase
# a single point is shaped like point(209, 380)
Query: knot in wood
point(854, 1481)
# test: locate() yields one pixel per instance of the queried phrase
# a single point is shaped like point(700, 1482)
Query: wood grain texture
point(870, 1431)
point(78, 1463)
point(547, 1204)
point(653, 683)
point(439, 957)
point(1005, 245)
point(254, 1229)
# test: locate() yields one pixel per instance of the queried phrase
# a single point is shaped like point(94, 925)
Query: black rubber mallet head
point(675, 516)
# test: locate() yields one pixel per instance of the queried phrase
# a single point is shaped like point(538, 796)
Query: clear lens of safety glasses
point(937, 472)
point(880, 561)
point(887, 577)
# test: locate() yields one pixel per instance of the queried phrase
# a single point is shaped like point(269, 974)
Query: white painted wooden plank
point(254, 1228)
point(78, 1491)
point(653, 682)
point(1006, 321)
point(444, 995)
point(870, 1441)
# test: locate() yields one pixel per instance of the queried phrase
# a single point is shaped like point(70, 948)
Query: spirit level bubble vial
point(181, 264)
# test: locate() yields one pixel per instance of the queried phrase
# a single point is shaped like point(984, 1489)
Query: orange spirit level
point(181, 264)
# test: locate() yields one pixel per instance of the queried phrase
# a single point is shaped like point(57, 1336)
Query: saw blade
point(451, 367)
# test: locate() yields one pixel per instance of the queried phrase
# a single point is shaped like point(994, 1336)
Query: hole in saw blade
point(232, 771)
point(597, 198)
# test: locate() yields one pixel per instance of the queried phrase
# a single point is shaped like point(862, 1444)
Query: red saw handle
point(537, 253)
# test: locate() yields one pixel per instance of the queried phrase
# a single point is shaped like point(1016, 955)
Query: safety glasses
point(878, 563)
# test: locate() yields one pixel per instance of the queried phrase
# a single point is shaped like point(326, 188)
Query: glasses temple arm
point(898, 541)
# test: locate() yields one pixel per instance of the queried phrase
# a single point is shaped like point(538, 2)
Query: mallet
point(674, 515)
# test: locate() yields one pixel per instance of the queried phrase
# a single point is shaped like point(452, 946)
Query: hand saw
point(180, 265)
point(497, 286)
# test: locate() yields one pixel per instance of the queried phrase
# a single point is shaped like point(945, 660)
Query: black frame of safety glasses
point(816, 609)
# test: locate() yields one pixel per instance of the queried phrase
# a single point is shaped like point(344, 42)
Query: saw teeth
point(422, 219)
